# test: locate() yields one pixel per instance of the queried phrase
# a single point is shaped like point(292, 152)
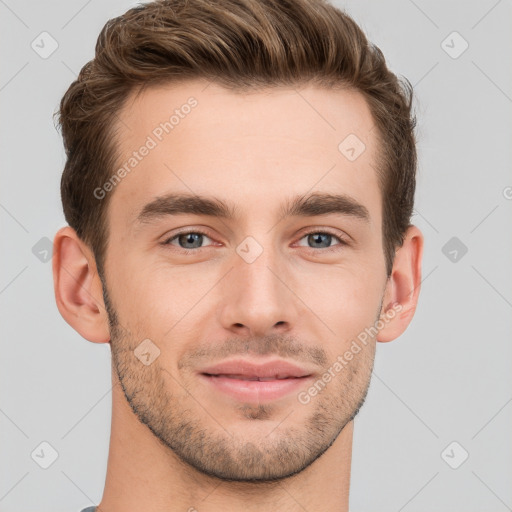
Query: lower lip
point(256, 390)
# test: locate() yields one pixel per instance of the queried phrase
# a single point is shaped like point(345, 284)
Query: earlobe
point(403, 287)
point(78, 288)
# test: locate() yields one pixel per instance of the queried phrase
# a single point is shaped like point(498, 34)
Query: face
point(275, 256)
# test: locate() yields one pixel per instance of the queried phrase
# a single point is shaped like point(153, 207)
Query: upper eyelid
point(330, 231)
point(312, 230)
point(341, 238)
point(168, 239)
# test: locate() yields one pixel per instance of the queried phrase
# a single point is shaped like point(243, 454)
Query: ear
point(403, 287)
point(78, 288)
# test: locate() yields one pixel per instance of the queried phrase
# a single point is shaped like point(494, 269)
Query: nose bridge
point(257, 297)
point(254, 269)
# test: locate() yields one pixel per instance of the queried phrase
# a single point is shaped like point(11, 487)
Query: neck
point(144, 474)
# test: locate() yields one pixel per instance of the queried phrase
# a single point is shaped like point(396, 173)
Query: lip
point(238, 379)
point(276, 368)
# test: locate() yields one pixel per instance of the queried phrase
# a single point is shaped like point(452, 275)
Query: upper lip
point(277, 368)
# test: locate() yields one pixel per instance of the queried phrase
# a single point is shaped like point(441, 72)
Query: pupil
point(318, 237)
point(190, 238)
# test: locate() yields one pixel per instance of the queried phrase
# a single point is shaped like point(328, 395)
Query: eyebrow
point(302, 206)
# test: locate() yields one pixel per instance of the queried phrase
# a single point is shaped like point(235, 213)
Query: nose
point(257, 297)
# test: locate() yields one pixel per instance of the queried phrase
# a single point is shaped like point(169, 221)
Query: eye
point(190, 241)
point(322, 240)
point(187, 240)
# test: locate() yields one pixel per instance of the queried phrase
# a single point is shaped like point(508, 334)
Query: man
point(239, 183)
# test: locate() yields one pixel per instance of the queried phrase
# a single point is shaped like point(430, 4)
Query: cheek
point(157, 295)
point(346, 301)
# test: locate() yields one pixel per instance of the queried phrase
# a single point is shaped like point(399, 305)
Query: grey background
point(446, 379)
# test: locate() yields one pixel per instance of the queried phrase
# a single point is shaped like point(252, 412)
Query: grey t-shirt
point(89, 509)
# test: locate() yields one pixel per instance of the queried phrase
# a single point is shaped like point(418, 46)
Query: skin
point(176, 443)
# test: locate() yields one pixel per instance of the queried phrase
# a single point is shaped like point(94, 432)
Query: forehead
point(246, 147)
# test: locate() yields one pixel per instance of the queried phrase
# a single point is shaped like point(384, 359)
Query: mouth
point(245, 377)
point(249, 382)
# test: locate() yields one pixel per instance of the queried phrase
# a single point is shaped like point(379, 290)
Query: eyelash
point(341, 241)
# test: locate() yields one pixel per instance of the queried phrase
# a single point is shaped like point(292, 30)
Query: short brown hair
point(241, 45)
